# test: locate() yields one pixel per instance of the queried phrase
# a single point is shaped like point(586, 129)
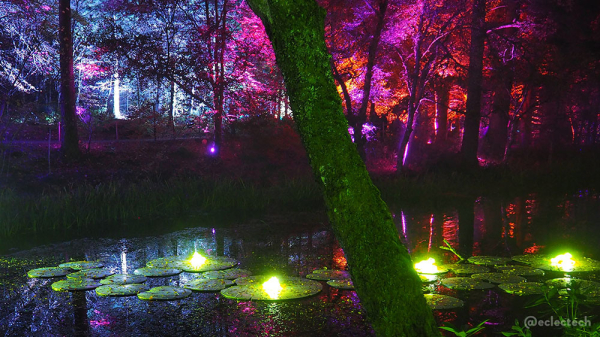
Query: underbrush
point(88, 206)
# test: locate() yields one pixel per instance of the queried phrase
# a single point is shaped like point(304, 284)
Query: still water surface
point(484, 226)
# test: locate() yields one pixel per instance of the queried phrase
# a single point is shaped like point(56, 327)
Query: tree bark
point(470, 141)
point(381, 268)
point(442, 102)
point(70, 139)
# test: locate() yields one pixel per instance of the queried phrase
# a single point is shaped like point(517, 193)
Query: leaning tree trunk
point(70, 140)
point(470, 141)
point(381, 268)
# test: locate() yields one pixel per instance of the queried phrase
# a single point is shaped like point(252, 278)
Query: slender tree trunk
point(442, 101)
point(470, 141)
point(70, 139)
point(389, 289)
point(172, 109)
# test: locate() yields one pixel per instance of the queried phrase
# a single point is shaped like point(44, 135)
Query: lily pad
point(75, 284)
point(488, 260)
point(466, 268)
point(437, 301)
point(532, 258)
point(90, 273)
point(587, 288)
point(228, 274)
point(341, 284)
point(582, 265)
point(48, 272)
point(524, 288)
point(164, 293)
point(205, 284)
point(169, 262)
point(520, 270)
point(499, 277)
point(156, 272)
point(212, 263)
point(78, 265)
point(251, 288)
point(328, 274)
point(428, 278)
point(124, 279)
point(120, 289)
point(465, 283)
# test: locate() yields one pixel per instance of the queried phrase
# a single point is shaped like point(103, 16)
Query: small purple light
point(212, 149)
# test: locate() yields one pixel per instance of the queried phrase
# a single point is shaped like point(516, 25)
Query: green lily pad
point(465, 283)
point(120, 289)
point(228, 274)
point(90, 273)
point(532, 258)
point(466, 268)
point(124, 279)
point(587, 288)
point(48, 272)
point(169, 262)
point(164, 293)
point(183, 263)
point(341, 284)
point(156, 272)
point(251, 288)
point(328, 274)
point(429, 278)
point(78, 265)
point(437, 301)
point(205, 284)
point(524, 288)
point(592, 301)
point(582, 265)
point(488, 260)
point(499, 277)
point(75, 284)
point(520, 270)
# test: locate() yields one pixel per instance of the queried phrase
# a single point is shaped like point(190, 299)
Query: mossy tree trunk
point(381, 268)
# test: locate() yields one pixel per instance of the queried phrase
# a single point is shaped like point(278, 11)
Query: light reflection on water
point(485, 226)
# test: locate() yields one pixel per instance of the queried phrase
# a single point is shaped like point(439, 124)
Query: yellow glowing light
point(426, 267)
point(197, 260)
point(563, 262)
point(272, 287)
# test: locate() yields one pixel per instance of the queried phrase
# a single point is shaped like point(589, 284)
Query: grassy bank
point(90, 206)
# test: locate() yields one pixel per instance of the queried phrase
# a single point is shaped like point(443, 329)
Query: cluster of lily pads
point(214, 274)
point(510, 275)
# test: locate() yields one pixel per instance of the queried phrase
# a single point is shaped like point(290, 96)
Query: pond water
point(485, 226)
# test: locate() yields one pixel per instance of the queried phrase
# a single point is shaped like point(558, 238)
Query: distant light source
point(197, 260)
point(212, 149)
point(426, 267)
point(272, 288)
point(563, 262)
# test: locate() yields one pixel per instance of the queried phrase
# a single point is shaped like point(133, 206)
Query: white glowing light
point(117, 99)
point(272, 288)
point(197, 260)
point(426, 267)
point(563, 262)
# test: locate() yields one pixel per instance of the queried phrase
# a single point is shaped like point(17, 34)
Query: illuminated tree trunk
point(442, 101)
point(382, 271)
point(70, 139)
point(470, 140)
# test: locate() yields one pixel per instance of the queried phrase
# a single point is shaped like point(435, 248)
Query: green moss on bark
point(381, 268)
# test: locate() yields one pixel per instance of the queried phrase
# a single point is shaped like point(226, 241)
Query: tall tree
point(70, 139)
point(390, 289)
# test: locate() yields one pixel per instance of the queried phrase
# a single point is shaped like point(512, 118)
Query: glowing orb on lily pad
point(164, 293)
point(272, 287)
point(466, 268)
point(524, 288)
point(328, 274)
point(488, 260)
point(439, 302)
point(465, 283)
point(228, 274)
point(48, 272)
point(520, 270)
point(120, 289)
point(563, 262)
point(428, 267)
point(185, 264)
point(197, 260)
point(499, 277)
point(205, 284)
point(157, 272)
point(91, 273)
point(124, 279)
point(78, 265)
point(78, 284)
point(251, 288)
point(341, 284)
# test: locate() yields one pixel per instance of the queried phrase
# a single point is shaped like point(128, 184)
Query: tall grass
point(87, 206)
